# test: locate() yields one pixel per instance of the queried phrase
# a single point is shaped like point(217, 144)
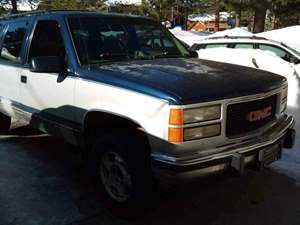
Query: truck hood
point(185, 81)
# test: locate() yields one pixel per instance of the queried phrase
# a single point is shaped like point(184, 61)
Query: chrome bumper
point(235, 156)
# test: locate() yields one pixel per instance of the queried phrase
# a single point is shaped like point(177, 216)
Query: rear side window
point(13, 41)
point(216, 46)
point(278, 51)
point(244, 46)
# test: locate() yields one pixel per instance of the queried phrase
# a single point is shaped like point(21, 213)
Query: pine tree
point(72, 4)
point(14, 4)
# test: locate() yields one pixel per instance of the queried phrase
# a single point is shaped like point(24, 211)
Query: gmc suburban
point(140, 105)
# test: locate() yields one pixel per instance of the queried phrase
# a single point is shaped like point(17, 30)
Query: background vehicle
point(234, 42)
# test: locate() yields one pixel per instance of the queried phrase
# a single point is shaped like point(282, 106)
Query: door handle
point(24, 79)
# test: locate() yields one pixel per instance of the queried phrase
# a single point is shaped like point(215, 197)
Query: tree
point(93, 4)
point(260, 13)
point(217, 15)
point(2, 11)
point(279, 9)
point(13, 4)
point(72, 4)
point(258, 7)
point(241, 9)
point(58, 4)
point(145, 9)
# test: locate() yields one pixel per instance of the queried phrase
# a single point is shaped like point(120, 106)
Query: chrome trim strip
point(199, 124)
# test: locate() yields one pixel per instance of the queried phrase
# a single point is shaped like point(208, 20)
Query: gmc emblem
point(259, 114)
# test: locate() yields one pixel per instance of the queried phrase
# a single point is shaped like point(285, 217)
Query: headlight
point(179, 131)
point(202, 114)
point(202, 132)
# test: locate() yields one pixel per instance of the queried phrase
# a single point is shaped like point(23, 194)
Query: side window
point(244, 46)
point(216, 46)
point(278, 51)
point(47, 40)
point(13, 41)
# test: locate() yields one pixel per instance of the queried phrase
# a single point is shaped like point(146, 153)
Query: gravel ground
point(43, 182)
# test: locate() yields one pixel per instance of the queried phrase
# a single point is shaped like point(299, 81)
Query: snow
point(192, 37)
point(288, 35)
point(189, 37)
point(239, 31)
point(205, 17)
point(265, 60)
point(22, 6)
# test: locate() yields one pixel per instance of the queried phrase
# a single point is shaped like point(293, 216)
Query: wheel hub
point(115, 176)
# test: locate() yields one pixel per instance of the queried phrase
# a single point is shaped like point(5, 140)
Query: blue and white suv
point(140, 105)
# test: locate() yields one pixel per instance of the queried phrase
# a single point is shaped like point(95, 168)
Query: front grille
point(250, 116)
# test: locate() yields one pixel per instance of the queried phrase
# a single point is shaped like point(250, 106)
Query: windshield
point(108, 39)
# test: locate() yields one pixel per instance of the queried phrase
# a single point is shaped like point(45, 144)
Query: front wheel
point(120, 166)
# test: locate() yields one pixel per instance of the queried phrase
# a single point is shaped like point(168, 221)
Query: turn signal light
point(175, 135)
point(176, 117)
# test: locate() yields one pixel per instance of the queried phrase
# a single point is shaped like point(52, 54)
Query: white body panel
point(149, 112)
point(44, 92)
point(10, 82)
point(9, 86)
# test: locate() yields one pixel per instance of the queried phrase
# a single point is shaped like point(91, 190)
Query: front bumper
point(236, 156)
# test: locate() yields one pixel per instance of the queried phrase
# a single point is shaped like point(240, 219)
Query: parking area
point(43, 182)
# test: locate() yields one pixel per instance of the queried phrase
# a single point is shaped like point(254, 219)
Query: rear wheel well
point(97, 124)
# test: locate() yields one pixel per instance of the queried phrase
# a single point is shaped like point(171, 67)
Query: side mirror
point(193, 54)
point(47, 64)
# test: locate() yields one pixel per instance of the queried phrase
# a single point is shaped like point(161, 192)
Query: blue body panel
point(184, 81)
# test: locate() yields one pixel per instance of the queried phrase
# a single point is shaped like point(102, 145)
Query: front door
point(48, 95)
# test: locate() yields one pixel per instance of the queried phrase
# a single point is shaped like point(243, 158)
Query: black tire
point(5, 122)
point(137, 160)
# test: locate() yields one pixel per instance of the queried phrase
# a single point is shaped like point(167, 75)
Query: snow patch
point(189, 37)
point(288, 35)
point(205, 17)
point(192, 37)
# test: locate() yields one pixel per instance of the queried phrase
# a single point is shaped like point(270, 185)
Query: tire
point(5, 122)
point(121, 169)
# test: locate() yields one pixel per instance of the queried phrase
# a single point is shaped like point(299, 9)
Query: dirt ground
point(43, 182)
